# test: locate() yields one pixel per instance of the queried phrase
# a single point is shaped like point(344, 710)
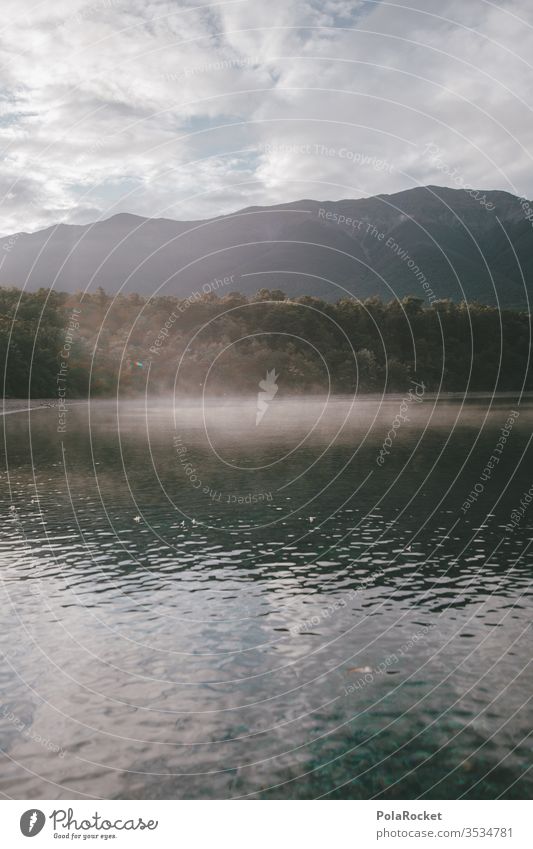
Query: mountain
point(431, 242)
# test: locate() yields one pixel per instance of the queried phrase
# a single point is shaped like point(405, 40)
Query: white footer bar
point(264, 825)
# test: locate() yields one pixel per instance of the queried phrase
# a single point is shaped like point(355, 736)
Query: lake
point(198, 606)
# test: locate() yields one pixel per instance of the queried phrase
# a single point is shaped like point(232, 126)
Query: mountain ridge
point(318, 247)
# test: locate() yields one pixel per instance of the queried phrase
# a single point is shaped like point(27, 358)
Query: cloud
point(178, 109)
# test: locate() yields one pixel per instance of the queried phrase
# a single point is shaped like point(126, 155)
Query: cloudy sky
point(178, 109)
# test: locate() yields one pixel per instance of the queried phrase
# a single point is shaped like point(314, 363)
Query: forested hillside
point(430, 241)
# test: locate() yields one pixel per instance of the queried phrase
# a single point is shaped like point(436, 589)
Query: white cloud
point(172, 108)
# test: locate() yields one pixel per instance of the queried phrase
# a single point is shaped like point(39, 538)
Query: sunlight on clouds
point(183, 101)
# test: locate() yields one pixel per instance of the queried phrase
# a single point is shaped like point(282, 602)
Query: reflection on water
point(196, 606)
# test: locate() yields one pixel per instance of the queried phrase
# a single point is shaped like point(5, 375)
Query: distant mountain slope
point(384, 245)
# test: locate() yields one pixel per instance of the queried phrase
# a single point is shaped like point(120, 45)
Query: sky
point(188, 110)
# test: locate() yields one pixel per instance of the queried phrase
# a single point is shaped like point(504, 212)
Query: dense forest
point(226, 343)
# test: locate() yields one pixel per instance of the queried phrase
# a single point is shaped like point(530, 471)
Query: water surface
point(196, 606)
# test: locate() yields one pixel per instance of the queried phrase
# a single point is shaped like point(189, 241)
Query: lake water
point(196, 605)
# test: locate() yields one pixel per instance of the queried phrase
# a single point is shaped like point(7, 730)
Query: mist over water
point(197, 605)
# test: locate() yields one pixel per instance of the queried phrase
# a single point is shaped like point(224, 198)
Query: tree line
point(222, 344)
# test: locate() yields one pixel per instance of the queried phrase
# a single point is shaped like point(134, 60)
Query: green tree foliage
point(227, 343)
